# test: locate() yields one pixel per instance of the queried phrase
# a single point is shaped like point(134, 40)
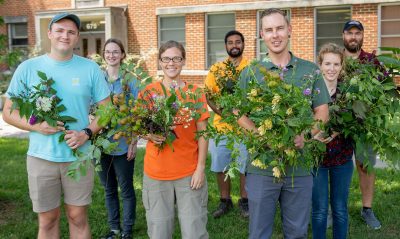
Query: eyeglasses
point(114, 53)
point(175, 59)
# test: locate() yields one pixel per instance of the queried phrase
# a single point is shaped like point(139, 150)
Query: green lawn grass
point(18, 221)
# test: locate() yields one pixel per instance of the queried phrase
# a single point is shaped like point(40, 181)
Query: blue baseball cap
point(66, 15)
point(351, 24)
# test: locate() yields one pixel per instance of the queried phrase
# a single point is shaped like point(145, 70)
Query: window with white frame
point(329, 24)
point(217, 26)
point(88, 3)
point(261, 47)
point(171, 28)
point(18, 35)
point(390, 26)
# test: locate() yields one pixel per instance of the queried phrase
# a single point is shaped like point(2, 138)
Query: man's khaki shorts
point(48, 181)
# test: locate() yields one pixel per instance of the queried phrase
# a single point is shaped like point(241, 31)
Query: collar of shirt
point(363, 54)
point(271, 66)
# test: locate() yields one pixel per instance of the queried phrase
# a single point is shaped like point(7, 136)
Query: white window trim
point(380, 21)
point(315, 23)
point(74, 5)
point(206, 32)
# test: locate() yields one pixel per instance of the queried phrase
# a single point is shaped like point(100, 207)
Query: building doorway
point(89, 44)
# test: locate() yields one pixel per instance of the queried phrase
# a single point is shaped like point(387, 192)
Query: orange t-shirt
point(166, 164)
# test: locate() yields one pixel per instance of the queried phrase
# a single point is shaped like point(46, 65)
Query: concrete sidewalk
point(7, 130)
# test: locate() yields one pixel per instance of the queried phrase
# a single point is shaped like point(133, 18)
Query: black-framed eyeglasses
point(175, 59)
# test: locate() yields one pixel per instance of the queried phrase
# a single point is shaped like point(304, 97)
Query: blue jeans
point(339, 183)
point(117, 170)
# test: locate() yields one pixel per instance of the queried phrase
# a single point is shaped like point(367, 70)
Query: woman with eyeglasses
point(117, 167)
point(333, 177)
point(176, 176)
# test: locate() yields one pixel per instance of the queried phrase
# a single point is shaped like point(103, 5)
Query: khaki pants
point(48, 181)
point(159, 199)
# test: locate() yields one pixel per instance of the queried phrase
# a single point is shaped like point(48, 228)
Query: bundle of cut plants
point(367, 108)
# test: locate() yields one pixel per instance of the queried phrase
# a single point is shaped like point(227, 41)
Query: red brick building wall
point(302, 39)
point(143, 32)
point(195, 44)
point(246, 24)
point(368, 15)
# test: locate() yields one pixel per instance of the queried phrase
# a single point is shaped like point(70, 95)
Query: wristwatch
point(88, 132)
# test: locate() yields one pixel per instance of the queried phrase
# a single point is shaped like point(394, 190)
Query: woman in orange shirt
point(176, 175)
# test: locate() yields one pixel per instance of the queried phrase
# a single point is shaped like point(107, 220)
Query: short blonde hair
point(334, 49)
point(330, 48)
point(271, 11)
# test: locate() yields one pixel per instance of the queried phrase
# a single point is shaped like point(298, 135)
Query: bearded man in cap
point(353, 37)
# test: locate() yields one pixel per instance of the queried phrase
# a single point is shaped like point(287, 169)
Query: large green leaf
point(171, 99)
point(61, 108)
point(294, 122)
point(164, 89)
point(347, 117)
point(50, 121)
point(67, 119)
point(359, 108)
point(395, 50)
point(42, 75)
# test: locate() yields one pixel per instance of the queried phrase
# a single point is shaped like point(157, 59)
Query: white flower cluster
point(44, 104)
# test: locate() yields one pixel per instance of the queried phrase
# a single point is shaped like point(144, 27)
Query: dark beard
point(234, 55)
point(351, 48)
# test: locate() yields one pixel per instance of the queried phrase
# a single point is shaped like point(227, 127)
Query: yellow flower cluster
point(289, 111)
point(221, 71)
point(287, 86)
point(253, 93)
point(252, 96)
point(276, 99)
point(214, 68)
point(290, 152)
point(252, 150)
point(272, 84)
point(267, 125)
point(257, 163)
point(276, 172)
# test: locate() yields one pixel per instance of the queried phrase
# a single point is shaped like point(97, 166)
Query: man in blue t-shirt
point(78, 82)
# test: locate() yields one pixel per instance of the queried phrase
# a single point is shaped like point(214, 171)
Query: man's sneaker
point(225, 205)
point(110, 235)
point(126, 236)
point(243, 204)
point(369, 218)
